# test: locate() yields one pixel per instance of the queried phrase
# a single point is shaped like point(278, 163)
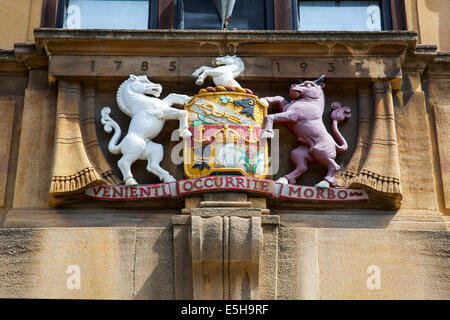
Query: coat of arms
point(225, 123)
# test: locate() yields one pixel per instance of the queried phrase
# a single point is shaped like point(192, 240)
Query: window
point(212, 14)
point(345, 15)
point(105, 14)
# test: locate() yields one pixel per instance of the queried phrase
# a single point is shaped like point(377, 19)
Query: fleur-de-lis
point(225, 99)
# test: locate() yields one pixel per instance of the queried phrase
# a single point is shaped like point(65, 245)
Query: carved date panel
point(256, 67)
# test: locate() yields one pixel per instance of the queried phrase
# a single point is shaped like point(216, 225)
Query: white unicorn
point(230, 67)
point(148, 116)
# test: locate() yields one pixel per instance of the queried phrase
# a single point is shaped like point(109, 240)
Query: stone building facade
point(56, 242)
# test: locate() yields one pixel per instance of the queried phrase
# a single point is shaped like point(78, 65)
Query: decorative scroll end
point(75, 184)
point(389, 188)
point(110, 177)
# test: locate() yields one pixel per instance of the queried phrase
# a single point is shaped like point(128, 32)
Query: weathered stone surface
point(225, 256)
point(242, 212)
point(42, 218)
point(268, 261)
point(225, 196)
point(222, 204)
point(35, 261)
point(364, 219)
point(136, 263)
point(287, 265)
point(414, 147)
point(182, 257)
point(430, 17)
point(439, 101)
point(36, 149)
point(24, 15)
point(135, 252)
point(153, 275)
point(7, 110)
point(413, 264)
point(256, 67)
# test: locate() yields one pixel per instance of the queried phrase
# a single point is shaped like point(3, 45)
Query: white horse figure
point(148, 116)
point(230, 67)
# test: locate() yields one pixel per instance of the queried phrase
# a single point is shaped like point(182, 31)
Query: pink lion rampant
point(303, 116)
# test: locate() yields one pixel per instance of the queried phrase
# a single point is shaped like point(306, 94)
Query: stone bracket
point(222, 253)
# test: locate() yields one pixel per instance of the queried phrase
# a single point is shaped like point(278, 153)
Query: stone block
point(45, 263)
point(411, 264)
point(340, 263)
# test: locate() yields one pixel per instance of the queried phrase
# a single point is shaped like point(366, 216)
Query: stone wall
point(220, 245)
point(138, 263)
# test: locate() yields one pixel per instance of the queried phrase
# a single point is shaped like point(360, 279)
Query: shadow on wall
point(154, 273)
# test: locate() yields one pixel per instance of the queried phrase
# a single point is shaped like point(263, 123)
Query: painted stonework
point(303, 116)
point(148, 116)
point(250, 237)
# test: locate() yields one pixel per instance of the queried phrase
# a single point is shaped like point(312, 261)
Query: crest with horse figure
point(225, 122)
point(225, 129)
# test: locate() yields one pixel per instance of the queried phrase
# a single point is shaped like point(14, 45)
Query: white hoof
point(131, 182)
point(185, 133)
point(283, 180)
point(264, 102)
point(323, 184)
point(267, 134)
point(169, 178)
point(199, 82)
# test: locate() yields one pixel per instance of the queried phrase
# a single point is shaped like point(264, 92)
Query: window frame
point(385, 9)
point(61, 4)
point(163, 12)
point(392, 14)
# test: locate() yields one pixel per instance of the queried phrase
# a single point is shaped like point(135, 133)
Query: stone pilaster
point(222, 251)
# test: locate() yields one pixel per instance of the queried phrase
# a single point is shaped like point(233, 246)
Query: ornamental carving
point(225, 131)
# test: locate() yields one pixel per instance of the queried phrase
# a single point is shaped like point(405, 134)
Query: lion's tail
point(339, 114)
point(108, 125)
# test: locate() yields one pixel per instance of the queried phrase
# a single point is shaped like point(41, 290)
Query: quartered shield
point(226, 129)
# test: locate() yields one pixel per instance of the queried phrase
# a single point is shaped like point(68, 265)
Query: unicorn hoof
point(323, 184)
point(185, 134)
point(283, 180)
point(267, 135)
point(264, 102)
point(169, 178)
point(131, 182)
point(199, 82)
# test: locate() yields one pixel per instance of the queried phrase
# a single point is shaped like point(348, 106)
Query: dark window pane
point(106, 14)
point(248, 15)
point(339, 15)
point(203, 14)
point(199, 15)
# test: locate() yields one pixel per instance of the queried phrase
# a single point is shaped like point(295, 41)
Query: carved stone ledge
point(74, 52)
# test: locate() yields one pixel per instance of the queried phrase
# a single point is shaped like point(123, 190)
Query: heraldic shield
point(226, 134)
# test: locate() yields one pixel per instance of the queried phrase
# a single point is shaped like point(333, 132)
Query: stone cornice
point(252, 35)
point(196, 42)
